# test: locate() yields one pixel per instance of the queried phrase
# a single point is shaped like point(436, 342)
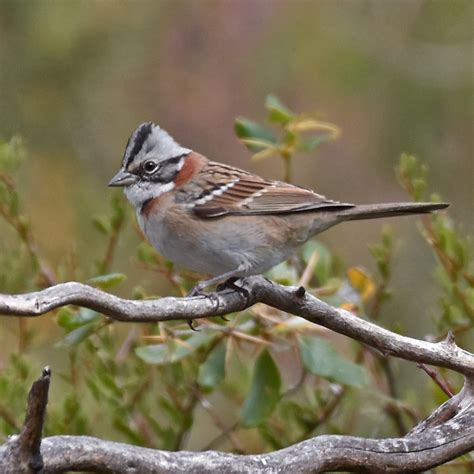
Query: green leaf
point(12, 154)
point(212, 372)
point(320, 358)
point(279, 113)
point(171, 352)
point(77, 335)
point(265, 391)
point(146, 253)
point(249, 130)
point(107, 281)
point(70, 320)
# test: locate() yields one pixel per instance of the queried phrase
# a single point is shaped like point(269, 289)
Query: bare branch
point(420, 450)
point(21, 453)
point(446, 434)
point(442, 384)
point(289, 299)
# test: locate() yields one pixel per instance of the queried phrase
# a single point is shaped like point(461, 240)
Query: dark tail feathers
point(374, 211)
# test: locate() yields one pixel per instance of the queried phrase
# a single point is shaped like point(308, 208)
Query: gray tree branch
point(290, 299)
point(446, 434)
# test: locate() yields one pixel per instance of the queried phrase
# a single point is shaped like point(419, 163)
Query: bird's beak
point(122, 178)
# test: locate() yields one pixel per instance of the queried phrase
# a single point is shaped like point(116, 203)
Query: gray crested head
point(150, 139)
point(151, 162)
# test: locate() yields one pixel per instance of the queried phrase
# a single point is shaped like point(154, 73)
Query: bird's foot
point(198, 290)
point(230, 284)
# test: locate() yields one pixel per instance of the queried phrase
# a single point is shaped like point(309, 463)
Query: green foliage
point(110, 227)
point(12, 154)
point(320, 358)
point(13, 393)
point(104, 282)
point(297, 133)
point(455, 270)
point(175, 349)
point(212, 371)
point(265, 391)
point(383, 252)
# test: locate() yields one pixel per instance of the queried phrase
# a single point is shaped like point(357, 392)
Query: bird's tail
point(374, 211)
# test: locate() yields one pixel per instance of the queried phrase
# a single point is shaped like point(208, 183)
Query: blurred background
point(76, 78)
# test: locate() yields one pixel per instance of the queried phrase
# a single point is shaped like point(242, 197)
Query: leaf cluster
point(297, 133)
point(453, 251)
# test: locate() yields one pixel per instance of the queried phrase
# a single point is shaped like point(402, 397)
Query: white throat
point(143, 191)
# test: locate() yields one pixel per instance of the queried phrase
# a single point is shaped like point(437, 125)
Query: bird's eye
point(150, 166)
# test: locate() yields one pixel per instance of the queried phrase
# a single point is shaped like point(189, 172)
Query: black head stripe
point(176, 159)
point(168, 170)
point(137, 140)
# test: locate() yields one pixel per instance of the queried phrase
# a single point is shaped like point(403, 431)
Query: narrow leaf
point(169, 353)
point(70, 320)
point(312, 125)
point(107, 281)
point(320, 358)
point(247, 129)
point(265, 391)
point(77, 335)
point(212, 372)
point(279, 113)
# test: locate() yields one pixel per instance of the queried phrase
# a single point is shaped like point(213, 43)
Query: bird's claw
point(191, 325)
point(198, 290)
point(230, 283)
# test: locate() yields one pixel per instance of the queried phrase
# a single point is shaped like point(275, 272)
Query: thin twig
point(219, 423)
point(442, 384)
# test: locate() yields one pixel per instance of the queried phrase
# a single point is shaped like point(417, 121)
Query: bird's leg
point(220, 280)
point(230, 283)
point(198, 290)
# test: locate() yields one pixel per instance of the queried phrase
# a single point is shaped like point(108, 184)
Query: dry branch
point(293, 300)
point(21, 453)
point(446, 434)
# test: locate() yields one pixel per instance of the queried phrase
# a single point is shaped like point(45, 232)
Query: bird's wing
point(236, 192)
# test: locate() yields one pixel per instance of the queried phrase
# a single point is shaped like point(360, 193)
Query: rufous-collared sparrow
point(222, 221)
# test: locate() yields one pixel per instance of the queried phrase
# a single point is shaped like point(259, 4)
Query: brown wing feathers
point(240, 193)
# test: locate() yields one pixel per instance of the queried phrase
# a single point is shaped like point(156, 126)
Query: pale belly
point(212, 248)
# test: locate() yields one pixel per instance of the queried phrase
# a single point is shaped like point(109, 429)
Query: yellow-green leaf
point(107, 281)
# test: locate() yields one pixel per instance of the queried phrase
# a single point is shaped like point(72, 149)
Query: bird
point(222, 221)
